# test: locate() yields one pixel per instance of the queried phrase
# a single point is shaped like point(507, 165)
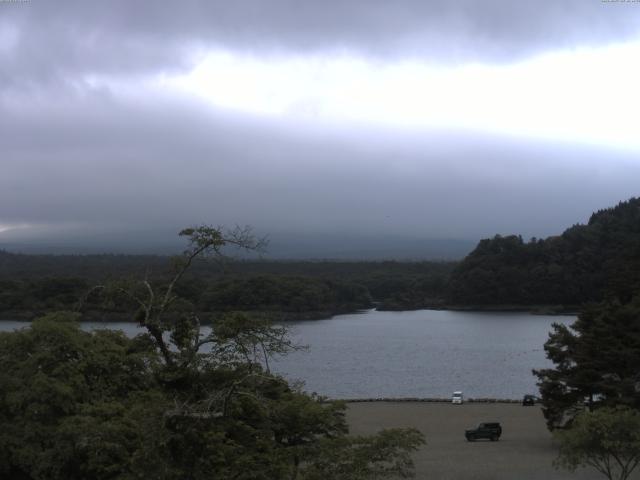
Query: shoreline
point(558, 310)
point(427, 400)
point(96, 316)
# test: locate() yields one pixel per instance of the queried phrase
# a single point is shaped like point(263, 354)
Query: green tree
point(177, 402)
point(586, 263)
point(75, 404)
point(597, 362)
point(365, 458)
point(606, 439)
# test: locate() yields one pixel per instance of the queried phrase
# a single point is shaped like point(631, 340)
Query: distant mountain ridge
point(585, 263)
point(282, 246)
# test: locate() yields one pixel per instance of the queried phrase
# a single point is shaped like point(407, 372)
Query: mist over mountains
point(280, 247)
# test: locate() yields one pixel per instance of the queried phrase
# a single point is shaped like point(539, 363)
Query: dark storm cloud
point(110, 165)
point(79, 156)
point(48, 41)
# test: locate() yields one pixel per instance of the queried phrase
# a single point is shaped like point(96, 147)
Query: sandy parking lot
point(524, 452)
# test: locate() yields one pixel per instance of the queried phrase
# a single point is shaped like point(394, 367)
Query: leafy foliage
point(607, 439)
point(586, 263)
point(77, 405)
point(33, 285)
point(366, 458)
point(289, 294)
point(597, 362)
point(41, 294)
point(72, 403)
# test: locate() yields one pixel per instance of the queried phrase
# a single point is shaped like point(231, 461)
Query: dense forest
point(31, 285)
point(586, 263)
point(77, 405)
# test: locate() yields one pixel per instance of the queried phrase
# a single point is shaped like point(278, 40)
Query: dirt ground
point(525, 450)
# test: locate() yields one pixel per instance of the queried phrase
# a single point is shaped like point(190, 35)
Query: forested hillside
point(586, 263)
point(34, 284)
point(100, 405)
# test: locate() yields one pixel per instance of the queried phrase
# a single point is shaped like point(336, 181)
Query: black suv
point(528, 401)
point(491, 431)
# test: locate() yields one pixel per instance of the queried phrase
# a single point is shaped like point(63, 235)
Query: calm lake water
point(424, 353)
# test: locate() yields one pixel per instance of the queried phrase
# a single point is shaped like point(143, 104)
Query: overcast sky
point(409, 119)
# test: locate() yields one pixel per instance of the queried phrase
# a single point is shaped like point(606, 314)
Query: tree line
point(98, 405)
point(586, 263)
point(175, 402)
point(32, 285)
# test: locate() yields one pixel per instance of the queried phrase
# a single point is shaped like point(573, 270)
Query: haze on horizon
point(363, 122)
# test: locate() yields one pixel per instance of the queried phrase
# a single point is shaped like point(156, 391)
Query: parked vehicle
point(457, 398)
point(528, 401)
point(488, 430)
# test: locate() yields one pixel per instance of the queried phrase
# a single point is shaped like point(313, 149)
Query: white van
point(457, 397)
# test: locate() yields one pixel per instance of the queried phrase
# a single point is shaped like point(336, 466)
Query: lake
point(422, 353)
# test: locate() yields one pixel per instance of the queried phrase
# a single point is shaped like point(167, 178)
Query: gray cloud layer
point(48, 41)
point(165, 163)
point(74, 156)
